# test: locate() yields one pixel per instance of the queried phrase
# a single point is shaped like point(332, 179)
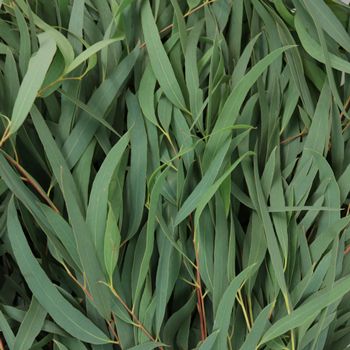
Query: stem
point(289, 310)
point(5, 136)
point(137, 322)
point(83, 287)
point(200, 297)
point(200, 302)
point(292, 138)
point(30, 180)
point(245, 313)
point(111, 326)
point(250, 308)
point(346, 107)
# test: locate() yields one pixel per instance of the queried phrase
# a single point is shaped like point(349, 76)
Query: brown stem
point(292, 138)
point(58, 80)
point(111, 326)
point(30, 180)
point(205, 3)
point(200, 301)
point(346, 107)
point(199, 291)
point(83, 287)
point(137, 322)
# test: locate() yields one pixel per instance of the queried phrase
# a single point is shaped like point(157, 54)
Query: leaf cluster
point(174, 174)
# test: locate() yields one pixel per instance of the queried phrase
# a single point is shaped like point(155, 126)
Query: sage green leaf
point(142, 269)
point(86, 54)
point(83, 237)
point(192, 201)
point(209, 343)
point(314, 49)
point(141, 221)
point(136, 180)
point(146, 346)
point(146, 95)
point(214, 187)
point(32, 81)
point(111, 243)
point(230, 110)
point(24, 49)
point(308, 311)
point(160, 63)
point(100, 101)
point(69, 318)
point(259, 326)
point(330, 23)
point(6, 330)
point(98, 202)
point(76, 23)
point(60, 346)
point(30, 326)
point(223, 315)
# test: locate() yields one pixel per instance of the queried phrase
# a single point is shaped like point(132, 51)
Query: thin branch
point(83, 287)
point(111, 326)
point(239, 298)
point(294, 137)
point(137, 322)
point(346, 107)
point(30, 180)
point(199, 291)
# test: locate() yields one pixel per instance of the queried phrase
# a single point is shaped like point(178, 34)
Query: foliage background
point(174, 174)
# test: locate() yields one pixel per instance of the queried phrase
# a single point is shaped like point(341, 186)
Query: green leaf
point(85, 55)
point(85, 247)
point(314, 49)
point(32, 81)
point(160, 63)
point(308, 311)
point(209, 177)
point(230, 110)
point(146, 95)
point(60, 346)
point(259, 326)
point(146, 346)
point(98, 201)
point(111, 243)
point(6, 331)
point(76, 23)
point(167, 274)
point(209, 343)
point(30, 326)
point(24, 49)
point(85, 129)
point(47, 294)
point(330, 23)
point(136, 180)
point(142, 270)
point(181, 25)
point(223, 315)
point(61, 41)
point(211, 190)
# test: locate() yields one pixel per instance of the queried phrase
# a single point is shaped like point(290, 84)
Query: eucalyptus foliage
point(174, 174)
